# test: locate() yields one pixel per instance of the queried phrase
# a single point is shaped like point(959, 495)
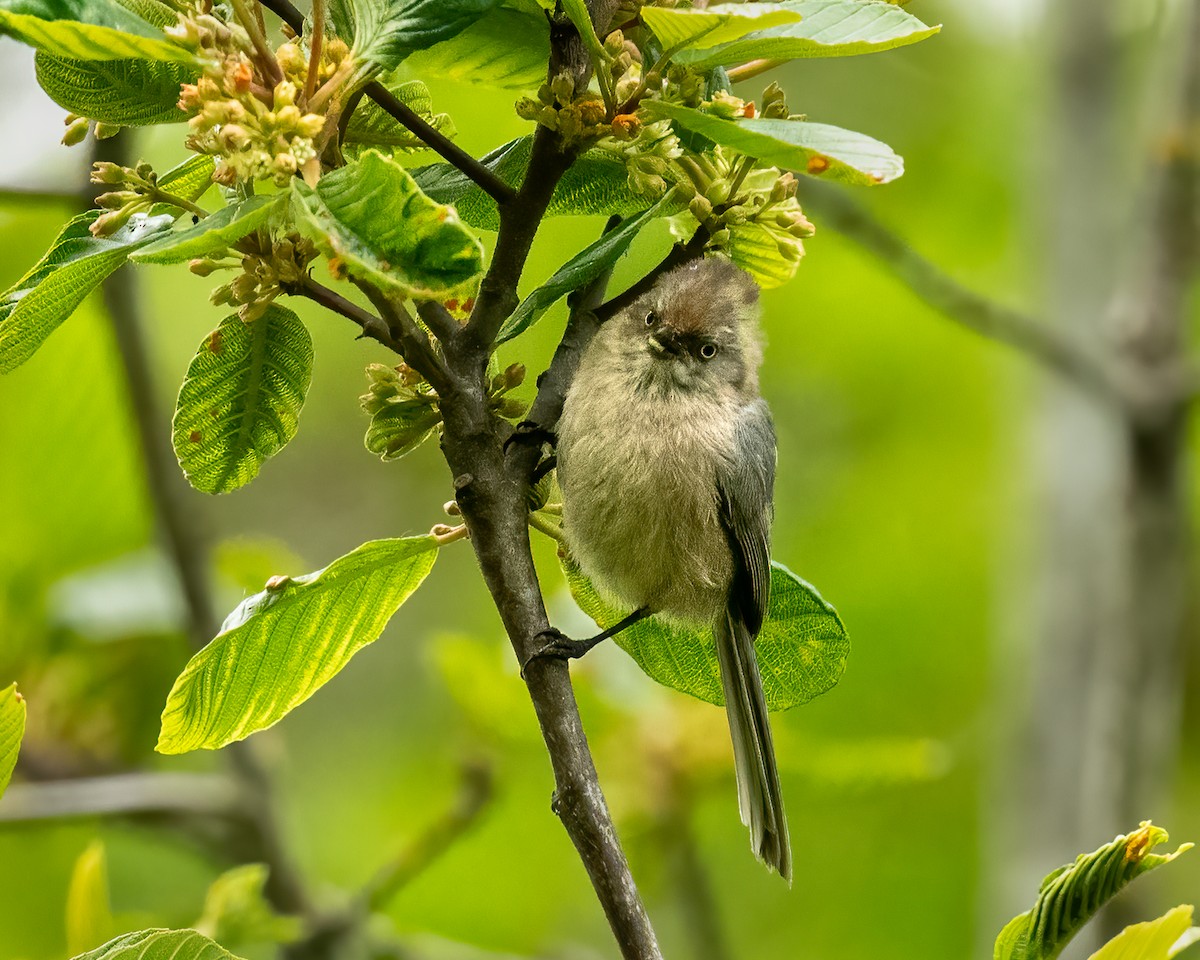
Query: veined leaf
point(388, 31)
point(801, 649)
point(213, 234)
point(240, 401)
point(580, 270)
point(1153, 940)
point(1072, 894)
point(190, 179)
point(89, 916)
point(711, 26)
point(12, 729)
point(507, 48)
point(595, 184)
point(88, 30)
point(40, 301)
point(126, 92)
point(373, 217)
point(372, 126)
point(400, 427)
point(159, 944)
point(816, 149)
point(236, 912)
point(826, 28)
point(280, 646)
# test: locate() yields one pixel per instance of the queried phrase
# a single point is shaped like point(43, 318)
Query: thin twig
point(314, 48)
point(20, 196)
point(438, 319)
point(677, 256)
point(125, 794)
point(746, 71)
point(414, 343)
point(491, 184)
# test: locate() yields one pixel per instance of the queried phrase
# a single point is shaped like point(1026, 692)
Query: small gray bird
point(666, 459)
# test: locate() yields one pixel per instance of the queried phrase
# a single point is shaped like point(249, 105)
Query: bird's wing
point(745, 486)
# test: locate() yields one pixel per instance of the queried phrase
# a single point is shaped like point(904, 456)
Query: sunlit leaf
point(372, 126)
point(595, 184)
point(507, 48)
point(387, 31)
point(717, 24)
point(190, 179)
point(159, 945)
point(373, 217)
point(76, 263)
point(580, 270)
point(12, 729)
point(240, 401)
point(280, 646)
point(236, 911)
point(89, 916)
point(826, 28)
point(1072, 894)
point(801, 649)
point(87, 30)
point(816, 149)
point(126, 92)
point(1153, 940)
point(400, 427)
point(212, 235)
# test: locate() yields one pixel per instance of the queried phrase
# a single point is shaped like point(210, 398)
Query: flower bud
point(701, 209)
point(104, 131)
point(75, 132)
point(203, 267)
point(562, 87)
point(514, 376)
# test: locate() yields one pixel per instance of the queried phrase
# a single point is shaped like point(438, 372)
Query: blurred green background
point(905, 495)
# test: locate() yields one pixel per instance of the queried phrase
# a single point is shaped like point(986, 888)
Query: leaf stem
point(266, 57)
point(162, 196)
point(314, 49)
point(543, 525)
point(746, 71)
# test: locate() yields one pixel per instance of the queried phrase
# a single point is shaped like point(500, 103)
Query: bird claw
point(558, 647)
point(529, 432)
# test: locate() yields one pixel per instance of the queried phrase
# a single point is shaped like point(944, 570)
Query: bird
point(666, 461)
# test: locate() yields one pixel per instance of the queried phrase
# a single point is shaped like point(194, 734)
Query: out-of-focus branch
point(22, 197)
point(124, 794)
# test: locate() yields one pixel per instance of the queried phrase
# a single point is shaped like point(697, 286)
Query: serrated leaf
point(127, 92)
point(240, 401)
point(236, 911)
point(89, 916)
point(817, 149)
point(190, 179)
point(826, 28)
point(721, 23)
point(507, 49)
point(88, 30)
point(801, 649)
point(596, 183)
point(400, 427)
point(769, 254)
point(1153, 940)
point(159, 944)
point(76, 263)
point(373, 217)
point(280, 646)
point(580, 270)
point(1072, 894)
point(388, 31)
point(372, 126)
point(214, 234)
point(12, 729)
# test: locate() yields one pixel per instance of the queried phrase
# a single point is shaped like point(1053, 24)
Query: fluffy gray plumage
point(666, 459)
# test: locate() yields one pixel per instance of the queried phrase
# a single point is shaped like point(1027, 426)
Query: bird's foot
point(557, 646)
point(530, 433)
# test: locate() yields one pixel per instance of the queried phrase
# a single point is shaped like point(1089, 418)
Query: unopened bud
point(203, 267)
point(75, 132)
point(104, 131)
point(514, 376)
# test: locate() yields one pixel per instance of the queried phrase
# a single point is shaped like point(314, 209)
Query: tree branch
point(124, 794)
point(491, 184)
point(677, 256)
point(414, 345)
point(1048, 345)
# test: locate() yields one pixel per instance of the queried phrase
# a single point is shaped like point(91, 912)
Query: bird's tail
point(760, 799)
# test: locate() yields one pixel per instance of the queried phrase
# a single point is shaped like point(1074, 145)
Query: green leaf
point(507, 49)
point(240, 401)
point(827, 28)
point(127, 92)
point(280, 646)
point(596, 183)
point(1072, 894)
point(373, 217)
point(580, 270)
point(759, 250)
point(89, 916)
point(372, 126)
point(88, 30)
point(388, 31)
point(720, 23)
point(12, 729)
point(159, 945)
point(236, 912)
point(39, 302)
point(1153, 940)
point(214, 234)
point(400, 427)
point(190, 179)
point(816, 149)
point(801, 649)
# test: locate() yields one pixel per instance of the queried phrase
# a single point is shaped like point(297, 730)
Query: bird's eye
point(651, 318)
point(708, 351)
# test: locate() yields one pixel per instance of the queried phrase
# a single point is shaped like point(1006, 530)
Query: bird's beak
point(664, 344)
